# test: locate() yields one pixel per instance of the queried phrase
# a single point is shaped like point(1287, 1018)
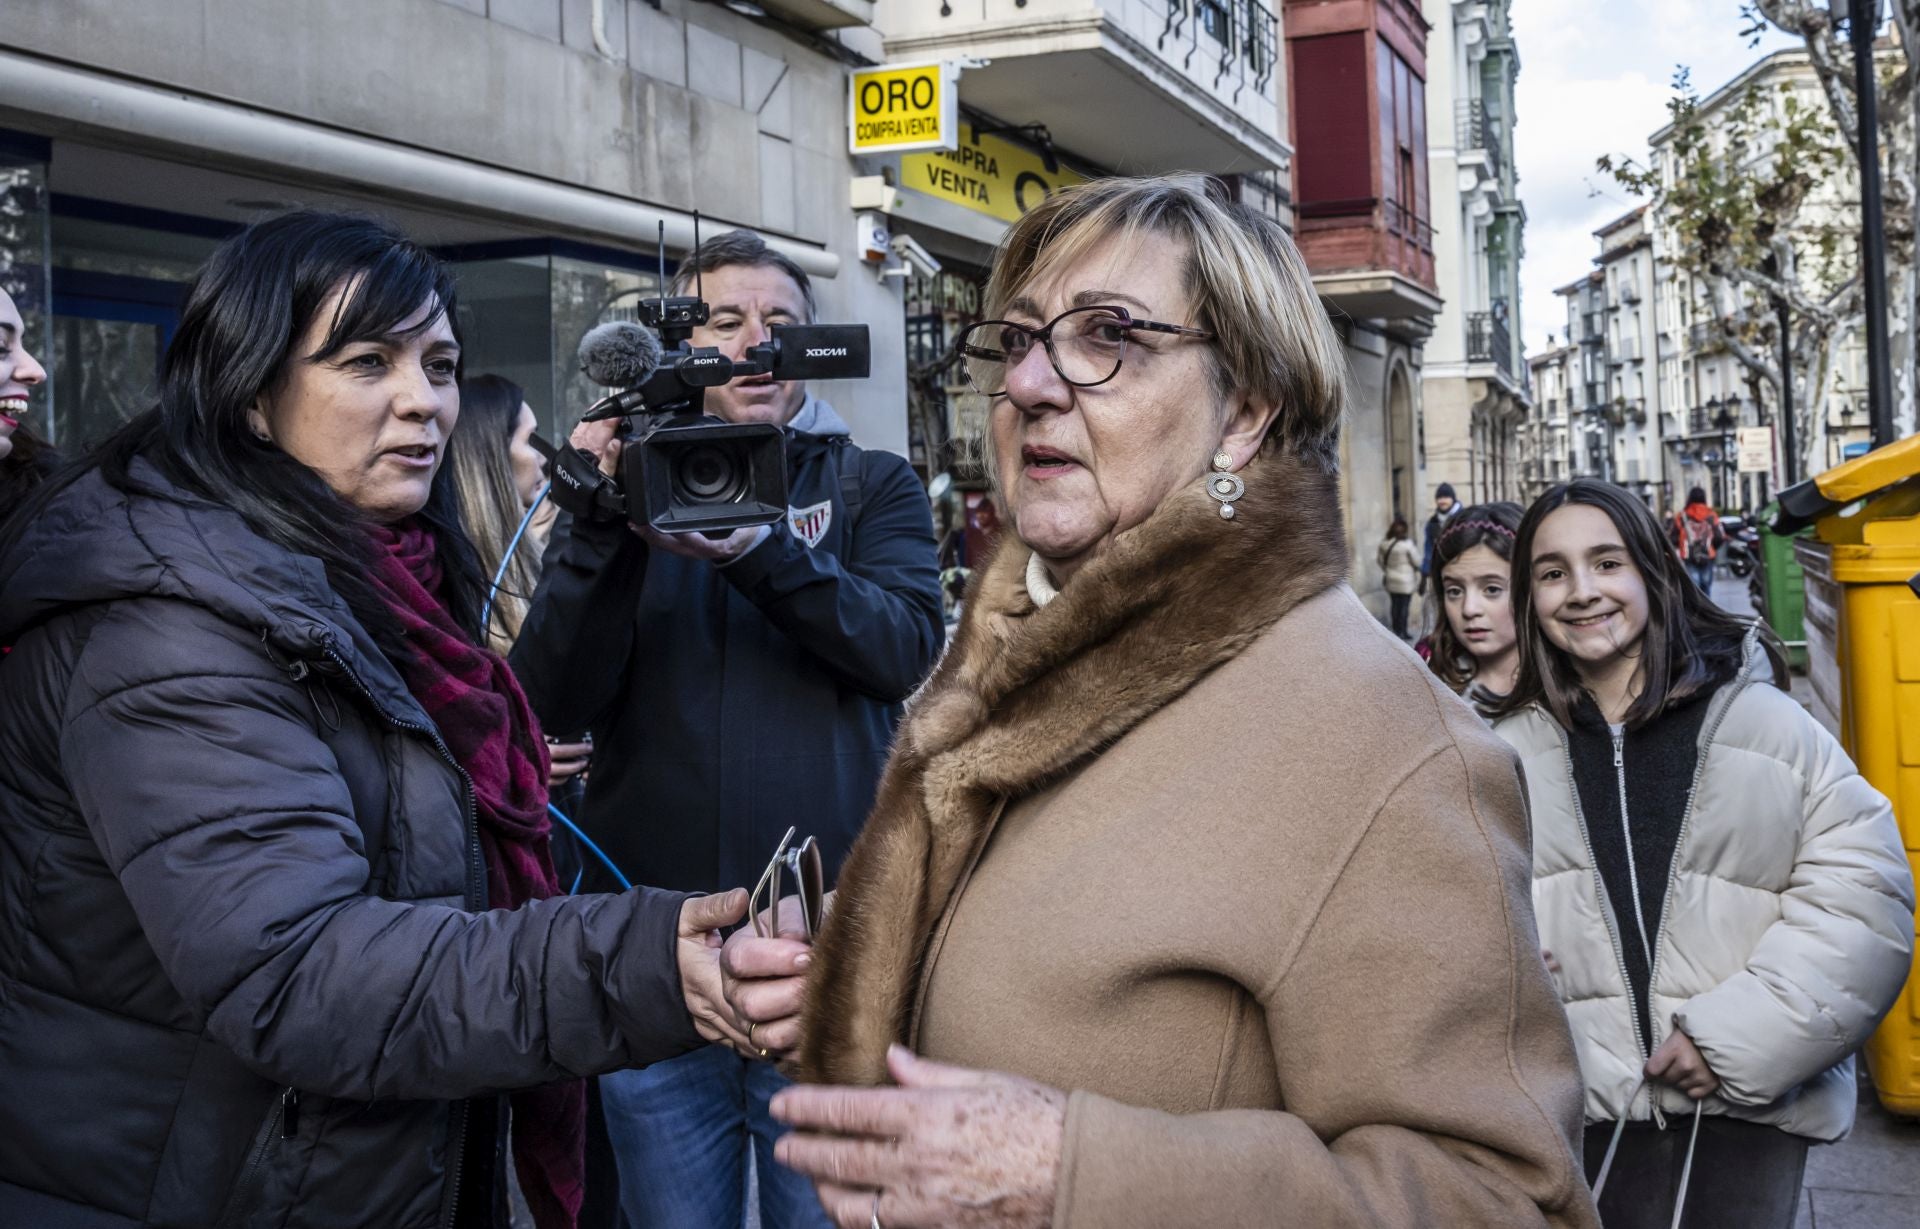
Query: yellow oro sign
point(987, 175)
point(899, 107)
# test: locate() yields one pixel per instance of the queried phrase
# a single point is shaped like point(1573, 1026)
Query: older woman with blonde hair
point(1189, 897)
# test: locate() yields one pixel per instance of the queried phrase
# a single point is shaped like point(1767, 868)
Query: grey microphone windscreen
point(619, 354)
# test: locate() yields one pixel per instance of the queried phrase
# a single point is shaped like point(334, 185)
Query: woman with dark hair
point(24, 459)
point(1473, 646)
point(269, 783)
point(1400, 572)
point(1727, 903)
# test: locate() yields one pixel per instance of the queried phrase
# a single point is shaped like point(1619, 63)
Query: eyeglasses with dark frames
point(1085, 345)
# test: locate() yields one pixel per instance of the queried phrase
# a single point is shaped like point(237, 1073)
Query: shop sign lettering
point(987, 175)
point(898, 107)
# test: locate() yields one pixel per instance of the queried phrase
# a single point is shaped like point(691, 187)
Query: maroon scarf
point(473, 698)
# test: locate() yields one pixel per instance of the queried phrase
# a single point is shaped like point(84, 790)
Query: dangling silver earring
point(1225, 485)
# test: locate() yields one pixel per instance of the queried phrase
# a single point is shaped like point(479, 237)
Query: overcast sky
point(1595, 79)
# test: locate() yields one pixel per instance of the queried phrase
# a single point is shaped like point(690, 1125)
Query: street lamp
point(1863, 19)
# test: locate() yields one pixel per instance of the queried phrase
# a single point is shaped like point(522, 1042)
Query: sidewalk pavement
point(1871, 1179)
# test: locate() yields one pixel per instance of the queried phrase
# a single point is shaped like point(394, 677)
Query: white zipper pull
point(1618, 740)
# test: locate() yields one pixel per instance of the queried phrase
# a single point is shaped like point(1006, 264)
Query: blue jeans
point(680, 1132)
point(1702, 574)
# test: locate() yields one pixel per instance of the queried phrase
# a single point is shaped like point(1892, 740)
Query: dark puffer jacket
point(242, 979)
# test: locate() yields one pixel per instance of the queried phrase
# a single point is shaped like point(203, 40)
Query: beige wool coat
point(1201, 843)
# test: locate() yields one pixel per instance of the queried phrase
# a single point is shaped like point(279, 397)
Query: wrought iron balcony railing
point(1474, 130)
point(1489, 341)
point(1243, 34)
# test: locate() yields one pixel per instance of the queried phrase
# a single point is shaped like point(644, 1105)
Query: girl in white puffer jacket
point(1726, 903)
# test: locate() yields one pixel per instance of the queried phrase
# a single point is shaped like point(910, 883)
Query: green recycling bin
point(1779, 587)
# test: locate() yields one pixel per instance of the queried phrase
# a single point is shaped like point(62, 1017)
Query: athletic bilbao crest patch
point(810, 524)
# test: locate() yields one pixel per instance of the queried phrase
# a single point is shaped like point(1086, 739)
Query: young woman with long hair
point(498, 475)
point(1473, 646)
point(1726, 902)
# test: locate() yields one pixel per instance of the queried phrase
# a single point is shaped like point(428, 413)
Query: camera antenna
point(698, 292)
point(660, 252)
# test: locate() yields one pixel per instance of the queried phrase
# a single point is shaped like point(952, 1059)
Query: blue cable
point(486, 611)
point(486, 614)
point(588, 842)
point(577, 877)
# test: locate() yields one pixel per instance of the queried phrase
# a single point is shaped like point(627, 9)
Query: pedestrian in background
point(1445, 507)
point(282, 941)
point(24, 460)
point(1473, 645)
point(1698, 537)
point(1400, 573)
point(1726, 901)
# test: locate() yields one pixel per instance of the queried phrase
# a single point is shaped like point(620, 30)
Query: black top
point(729, 703)
point(1658, 762)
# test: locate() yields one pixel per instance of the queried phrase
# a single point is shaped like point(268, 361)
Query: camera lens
point(707, 473)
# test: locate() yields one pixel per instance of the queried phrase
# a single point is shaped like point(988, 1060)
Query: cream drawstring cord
point(1686, 1167)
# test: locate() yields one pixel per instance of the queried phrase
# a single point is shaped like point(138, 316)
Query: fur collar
point(1027, 695)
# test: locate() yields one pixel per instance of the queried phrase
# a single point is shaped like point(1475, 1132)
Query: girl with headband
point(1472, 646)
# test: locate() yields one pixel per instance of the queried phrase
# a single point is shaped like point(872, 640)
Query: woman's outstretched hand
point(764, 980)
point(948, 1146)
point(698, 951)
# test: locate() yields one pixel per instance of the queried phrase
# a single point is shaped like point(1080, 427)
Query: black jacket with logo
point(729, 703)
point(242, 976)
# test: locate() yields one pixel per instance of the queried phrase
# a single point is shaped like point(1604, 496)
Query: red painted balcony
point(1357, 75)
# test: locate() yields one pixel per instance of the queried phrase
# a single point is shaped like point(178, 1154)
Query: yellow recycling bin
point(1863, 660)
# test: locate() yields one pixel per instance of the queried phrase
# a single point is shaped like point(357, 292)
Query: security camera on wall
point(917, 258)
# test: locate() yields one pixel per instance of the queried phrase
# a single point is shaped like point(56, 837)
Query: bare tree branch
point(1814, 25)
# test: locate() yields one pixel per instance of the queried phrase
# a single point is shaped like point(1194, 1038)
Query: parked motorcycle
point(1741, 551)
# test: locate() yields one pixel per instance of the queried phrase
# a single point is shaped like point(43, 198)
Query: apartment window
point(1402, 97)
point(1259, 37)
point(1405, 188)
point(1215, 20)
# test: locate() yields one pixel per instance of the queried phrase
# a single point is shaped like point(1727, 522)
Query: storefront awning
point(65, 101)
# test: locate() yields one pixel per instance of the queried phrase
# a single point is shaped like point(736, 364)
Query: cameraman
point(733, 687)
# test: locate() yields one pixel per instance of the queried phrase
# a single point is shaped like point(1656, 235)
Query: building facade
point(1658, 398)
point(1364, 201)
point(1709, 395)
point(1630, 409)
point(1551, 437)
point(1475, 396)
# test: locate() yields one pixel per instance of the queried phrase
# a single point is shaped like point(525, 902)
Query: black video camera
point(684, 471)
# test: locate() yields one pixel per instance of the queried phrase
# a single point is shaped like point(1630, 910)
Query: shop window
point(119, 277)
point(524, 306)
